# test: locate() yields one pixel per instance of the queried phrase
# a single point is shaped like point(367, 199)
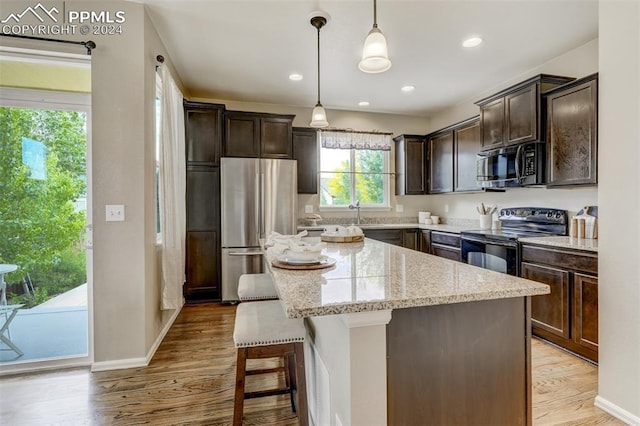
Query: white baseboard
point(120, 364)
point(616, 411)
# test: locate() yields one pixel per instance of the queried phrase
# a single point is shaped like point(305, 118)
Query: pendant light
point(375, 57)
point(319, 115)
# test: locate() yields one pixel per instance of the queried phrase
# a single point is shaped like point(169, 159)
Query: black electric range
point(498, 249)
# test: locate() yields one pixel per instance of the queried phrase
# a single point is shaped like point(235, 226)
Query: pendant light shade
point(375, 57)
point(319, 115)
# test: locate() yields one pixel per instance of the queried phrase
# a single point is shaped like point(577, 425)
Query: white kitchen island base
point(346, 368)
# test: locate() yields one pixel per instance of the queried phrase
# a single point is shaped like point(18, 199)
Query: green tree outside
point(369, 178)
point(39, 228)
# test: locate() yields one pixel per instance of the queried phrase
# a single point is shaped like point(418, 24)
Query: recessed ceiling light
point(295, 77)
point(407, 88)
point(363, 103)
point(472, 42)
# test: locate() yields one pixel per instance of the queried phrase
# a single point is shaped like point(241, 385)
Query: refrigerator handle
point(262, 216)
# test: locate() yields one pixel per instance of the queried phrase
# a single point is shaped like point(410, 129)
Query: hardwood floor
point(192, 376)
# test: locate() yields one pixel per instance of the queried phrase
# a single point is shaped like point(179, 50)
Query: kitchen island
point(396, 336)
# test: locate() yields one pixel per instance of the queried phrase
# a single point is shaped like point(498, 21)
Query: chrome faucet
point(357, 207)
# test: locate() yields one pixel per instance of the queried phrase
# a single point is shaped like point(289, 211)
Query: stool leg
point(290, 377)
point(238, 401)
point(301, 384)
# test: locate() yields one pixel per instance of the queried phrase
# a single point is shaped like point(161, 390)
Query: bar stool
point(253, 287)
point(262, 330)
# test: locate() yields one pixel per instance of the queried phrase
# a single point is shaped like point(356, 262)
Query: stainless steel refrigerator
point(258, 196)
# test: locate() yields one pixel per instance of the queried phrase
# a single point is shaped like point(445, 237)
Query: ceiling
point(244, 50)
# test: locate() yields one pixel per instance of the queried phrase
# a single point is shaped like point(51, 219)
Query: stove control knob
point(558, 215)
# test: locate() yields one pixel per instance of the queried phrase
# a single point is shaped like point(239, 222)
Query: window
point(352, 171)
point(158, 121)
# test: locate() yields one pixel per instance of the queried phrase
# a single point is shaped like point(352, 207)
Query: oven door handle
point(510, 244)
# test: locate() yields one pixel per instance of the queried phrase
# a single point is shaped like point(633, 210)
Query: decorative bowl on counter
point(304, 253)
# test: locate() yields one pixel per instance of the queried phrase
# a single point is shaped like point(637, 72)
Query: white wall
point(578, 62)
point(127, 315)
point(619, 199)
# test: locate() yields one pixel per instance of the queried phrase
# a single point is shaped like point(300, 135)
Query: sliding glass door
point(44, 228)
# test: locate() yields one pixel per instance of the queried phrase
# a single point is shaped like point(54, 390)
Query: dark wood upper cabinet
point(467, 143)
point(572, 133)
point(452, 157)
point(253, 135)
point(441, 162)
point(242, 135)
point(516, 114)
point(492, 128)
point(411, 161)
point(203, 132)
point(276, 137)
point(305, 151)
point(521, 111)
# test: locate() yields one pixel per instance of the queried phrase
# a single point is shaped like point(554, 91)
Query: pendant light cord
point(375, 14)
point(318, 65)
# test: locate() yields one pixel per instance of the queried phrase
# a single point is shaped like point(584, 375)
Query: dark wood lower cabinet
point(425, 241)
point(203, 266)
point(460, 364)
point(398, 237)
point(445, 244)
point(550, 311)
point(585, 306)
point(568, 316)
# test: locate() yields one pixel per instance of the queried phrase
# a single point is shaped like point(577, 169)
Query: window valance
point(353, 139)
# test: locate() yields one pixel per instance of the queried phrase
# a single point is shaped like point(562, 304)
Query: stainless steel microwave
point(517, 165)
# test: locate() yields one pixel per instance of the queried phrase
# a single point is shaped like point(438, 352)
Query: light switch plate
point(399, 208)
point(115, 212)
point(308, 208)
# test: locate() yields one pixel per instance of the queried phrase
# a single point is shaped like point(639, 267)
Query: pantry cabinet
point(568, 315)
point(203, 140)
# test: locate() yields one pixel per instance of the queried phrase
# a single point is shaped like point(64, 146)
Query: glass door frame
point(46, 99)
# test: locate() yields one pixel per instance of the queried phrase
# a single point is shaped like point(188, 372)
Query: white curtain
point(355, 140)
point(172, 191)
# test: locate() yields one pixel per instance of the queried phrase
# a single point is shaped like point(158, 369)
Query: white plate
point(283, 258)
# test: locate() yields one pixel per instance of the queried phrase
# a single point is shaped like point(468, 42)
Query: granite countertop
point(372, 276)
point(441, 227)
point(585, 244)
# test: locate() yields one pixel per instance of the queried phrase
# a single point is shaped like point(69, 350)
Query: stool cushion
point(265, 323)
point(256, 287)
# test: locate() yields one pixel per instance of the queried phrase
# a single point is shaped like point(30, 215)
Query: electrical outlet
point(446, 208)
point(308, 208)
point(399, 208)
point(115, 212)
